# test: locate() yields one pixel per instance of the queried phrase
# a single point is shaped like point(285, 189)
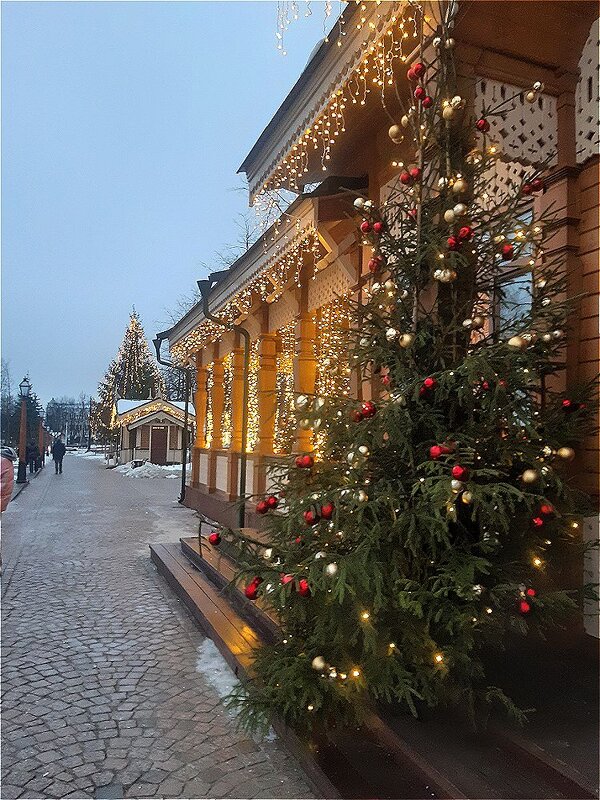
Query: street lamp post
point(24, 389)
point(41, 439)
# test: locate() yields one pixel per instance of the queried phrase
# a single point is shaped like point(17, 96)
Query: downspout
point(157, 342)
point(205, 287)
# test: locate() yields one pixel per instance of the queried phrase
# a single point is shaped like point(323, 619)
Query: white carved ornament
point(327, 285)
point(526, 131)
point(588, 97)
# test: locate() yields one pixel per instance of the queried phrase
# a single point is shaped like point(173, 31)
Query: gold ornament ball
point(405, 122)
point(566, 453)
point(530, 476)
point(547, 337)
point(448, 112)
point(459, 186)
point(406, 340)
point(460, 209)
point(517, 342)
point(395, 133)
point(467, 498)
point(449, 44)
point(478, 321)
point(389, 286)
point(449, 216)
point(318, 663)
point(530, 96)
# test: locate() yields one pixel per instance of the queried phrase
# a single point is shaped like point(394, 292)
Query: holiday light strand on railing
point(268, 283)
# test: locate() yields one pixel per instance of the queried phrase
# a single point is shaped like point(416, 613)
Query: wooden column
point(267, 399)
point(237, 400)
point(200, 399)
point(305, 365)
point(217, 397)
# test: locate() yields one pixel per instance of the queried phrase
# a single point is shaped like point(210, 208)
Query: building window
point(133, 439)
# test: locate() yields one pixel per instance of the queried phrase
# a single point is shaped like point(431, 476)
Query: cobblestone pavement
point(101, 695)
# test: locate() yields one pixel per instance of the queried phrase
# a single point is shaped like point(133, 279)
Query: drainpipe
point(205, 287)
point(184, 444)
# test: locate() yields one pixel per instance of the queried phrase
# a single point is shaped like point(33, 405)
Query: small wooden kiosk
point(152, 430)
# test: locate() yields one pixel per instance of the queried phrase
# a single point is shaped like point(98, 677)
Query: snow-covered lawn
point(149, 470)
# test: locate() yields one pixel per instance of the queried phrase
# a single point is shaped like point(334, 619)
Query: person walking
point(7, 476)
point(33, 456)
point(58, 452)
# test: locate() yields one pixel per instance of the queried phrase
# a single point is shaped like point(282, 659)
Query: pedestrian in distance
point(58, 452)
point(32, 456)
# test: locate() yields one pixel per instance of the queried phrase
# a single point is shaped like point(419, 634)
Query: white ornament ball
point(301, 401)
point(546, 302)
point(478, 321)
point(566, 453)
point(304, 424)
point(558, 334)
point(362, 496)
point(449, 216)
point(364, 451)
point(320, 554)
point(317, 424)
point(395, 133)
point(449, 43)
point(456, 485)
point(442, 182)
point(368, 204)
point(436, 41)
point(319, 663)
point(460, 209)
point(399, 399)
point(331, 569)
point(359, 203)
point(267, 555)
point(547, 338)
point(406, 340)
point(467, 498)
point(517, 342)
point(319, 403)
point(364, 342)
point(530, 476)
point(538, 86)
point(467, 323)
point(391, 334)
point(457, 101)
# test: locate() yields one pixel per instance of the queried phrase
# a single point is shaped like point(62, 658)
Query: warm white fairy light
point(226, 418)
point(253, 412)
point(285, 416)
point(208, 423)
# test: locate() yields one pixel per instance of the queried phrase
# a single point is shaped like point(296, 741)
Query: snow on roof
point(124, 406)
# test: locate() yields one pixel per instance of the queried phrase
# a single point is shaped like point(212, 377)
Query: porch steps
point(350, 764)
point(392, 756)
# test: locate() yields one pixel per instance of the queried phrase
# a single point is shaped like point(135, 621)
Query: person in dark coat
point(58, 452)
point(33, 456)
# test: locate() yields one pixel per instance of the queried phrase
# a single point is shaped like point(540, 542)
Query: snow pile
point(85, 454)
point(213, 667)
point(149, 470)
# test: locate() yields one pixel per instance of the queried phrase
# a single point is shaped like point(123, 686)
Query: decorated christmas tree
point(133, 375)
point(436, 521)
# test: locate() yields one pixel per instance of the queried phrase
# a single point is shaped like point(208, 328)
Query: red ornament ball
point(507, 251)
point(410, 74)
point(438, 450)
point(524, 607)
point(526, 189)
point(531, 592)
point(378, 227)
point(465, 233)
point(427, 102)
point(262, 507)
point(419, 93)
point(546, 509)
point(272, 501)
point(413, 213)
point(356, 416)
point(429, 383)
point(405, 178)
point(305, 462)
point(303, 588)
point(485, 385)
point(386, 380)
point(482, 125)
point(286, 579)
point(375, 263)
point(537, 522)
point(415, 173)
point(310, 517)
point(453, 243)
point(365, 226)
point(368, 409)
point(537, 185)
point(419, 69)
point(460, 473)
point(327, 510)
point(215, 538)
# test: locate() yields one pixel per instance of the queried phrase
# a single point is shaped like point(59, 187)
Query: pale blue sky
point(123, 127)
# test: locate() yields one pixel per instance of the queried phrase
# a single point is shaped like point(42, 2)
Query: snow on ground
point(85, 454)
point(212, 666)
point(149, 470)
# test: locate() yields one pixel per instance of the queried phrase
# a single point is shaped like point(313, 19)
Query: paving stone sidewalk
point(101, 694)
